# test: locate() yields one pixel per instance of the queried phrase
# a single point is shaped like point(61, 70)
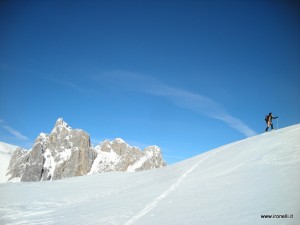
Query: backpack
point(267, 118)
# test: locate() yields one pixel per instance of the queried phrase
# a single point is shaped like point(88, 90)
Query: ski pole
point(277, 123)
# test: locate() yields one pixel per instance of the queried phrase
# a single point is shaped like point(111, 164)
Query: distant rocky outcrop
point(117, 155)
point(67, 152)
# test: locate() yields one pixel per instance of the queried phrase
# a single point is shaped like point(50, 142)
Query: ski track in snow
point(155, 202)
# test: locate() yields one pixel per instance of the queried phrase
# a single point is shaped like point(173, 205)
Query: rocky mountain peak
point(119, 140)
point(61, 125)
point(67, 152)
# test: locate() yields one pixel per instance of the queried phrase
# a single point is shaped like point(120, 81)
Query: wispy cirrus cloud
point(183, 98)
point(69, 84)
point(73, 86)
point(15, 133)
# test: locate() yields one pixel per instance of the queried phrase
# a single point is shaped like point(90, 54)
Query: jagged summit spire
point(60, 124)
point(60, 121)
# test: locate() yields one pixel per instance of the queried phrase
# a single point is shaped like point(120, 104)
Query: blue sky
point(187, 76)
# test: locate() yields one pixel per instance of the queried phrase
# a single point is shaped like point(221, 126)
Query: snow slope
point(231, 185)
point(6, 151)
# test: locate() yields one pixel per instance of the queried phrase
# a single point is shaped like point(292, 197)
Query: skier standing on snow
point(268, 120)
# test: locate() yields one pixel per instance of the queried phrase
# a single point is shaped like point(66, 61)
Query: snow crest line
point(154, 203)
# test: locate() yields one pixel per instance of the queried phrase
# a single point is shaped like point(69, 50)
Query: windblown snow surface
point(236, 184)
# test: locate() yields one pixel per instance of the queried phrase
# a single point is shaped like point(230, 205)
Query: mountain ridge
point(67, 152)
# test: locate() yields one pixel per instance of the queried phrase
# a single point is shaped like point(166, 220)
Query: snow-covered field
point(232, 185)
